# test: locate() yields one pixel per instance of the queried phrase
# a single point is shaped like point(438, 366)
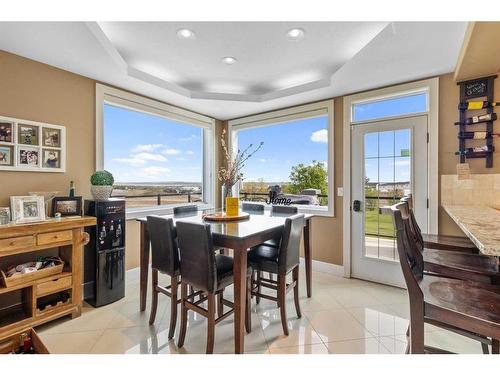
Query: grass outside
point(378, 224)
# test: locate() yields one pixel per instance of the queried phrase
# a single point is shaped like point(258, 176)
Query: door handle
point(356, 205)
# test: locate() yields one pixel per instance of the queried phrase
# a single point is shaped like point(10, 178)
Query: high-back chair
point(438, 242)
point(207, 273)
point(164, 259)
point(281, 261)
point(185, 209)
point(464, 307)
point(457, 264)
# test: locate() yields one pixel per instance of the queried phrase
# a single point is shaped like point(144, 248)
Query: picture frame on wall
point(6, 131)
point(67, 206)
point(28, 157)
point(51, 137)
point(32, 146)
point(6, 155)
point(27, 134)
point(51, 158)
point(27, 209)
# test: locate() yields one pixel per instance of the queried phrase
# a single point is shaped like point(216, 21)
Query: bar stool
point(464, 307)
point(458, 264)
point(209, 275)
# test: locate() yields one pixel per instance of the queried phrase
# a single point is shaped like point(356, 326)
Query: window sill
point(167, 209)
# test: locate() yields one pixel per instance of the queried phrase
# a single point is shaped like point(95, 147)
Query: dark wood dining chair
point(456, 264)
point(164, 259)
point(209, 274)
point(439, 242)
point(281, 261)
point(468, 308)
point(252, 207)
point(185, 209)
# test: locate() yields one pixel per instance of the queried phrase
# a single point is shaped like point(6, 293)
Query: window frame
point(288, 115)
point(126, 100)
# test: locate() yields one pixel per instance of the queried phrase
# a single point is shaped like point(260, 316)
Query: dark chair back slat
point(198, 257)
point(289, 250)
point(415, 229)
point(185, 209)
point(410, 257)
point(292, 210)
point(255, 207)
point(164, 251)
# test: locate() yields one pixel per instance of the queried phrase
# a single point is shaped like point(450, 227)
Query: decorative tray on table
point(222, 216)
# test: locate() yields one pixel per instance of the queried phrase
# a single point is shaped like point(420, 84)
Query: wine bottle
point(478, 135)
point(478, 119)
point(475, 150)
point(72, 189)
point(477, 105)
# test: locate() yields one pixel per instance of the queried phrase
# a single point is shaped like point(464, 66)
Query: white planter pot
point(101, 193)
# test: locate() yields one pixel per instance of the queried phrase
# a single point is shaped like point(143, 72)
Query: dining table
point(239, 236)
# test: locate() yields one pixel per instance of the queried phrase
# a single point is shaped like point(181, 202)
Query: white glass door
point(389, 159)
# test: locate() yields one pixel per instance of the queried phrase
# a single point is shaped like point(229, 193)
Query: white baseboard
point(332, 269)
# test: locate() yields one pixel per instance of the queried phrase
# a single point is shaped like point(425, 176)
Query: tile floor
point(344, 316)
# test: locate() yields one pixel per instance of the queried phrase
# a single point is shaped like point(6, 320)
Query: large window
point(157, 158)
point(293, 164)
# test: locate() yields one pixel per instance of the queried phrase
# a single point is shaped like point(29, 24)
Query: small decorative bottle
point(72, 189)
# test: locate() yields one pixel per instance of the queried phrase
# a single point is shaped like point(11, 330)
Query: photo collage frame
point(32, 146)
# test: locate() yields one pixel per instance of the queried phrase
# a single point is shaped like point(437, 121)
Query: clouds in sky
point(320, 136)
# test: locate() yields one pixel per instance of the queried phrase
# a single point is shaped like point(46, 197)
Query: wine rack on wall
point(476, 112)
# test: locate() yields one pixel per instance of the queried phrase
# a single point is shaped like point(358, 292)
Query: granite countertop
point(480, 223)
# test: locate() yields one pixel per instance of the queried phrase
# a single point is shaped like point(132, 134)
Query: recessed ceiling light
point(295, 34)
point(185, 34)
point(228, 60)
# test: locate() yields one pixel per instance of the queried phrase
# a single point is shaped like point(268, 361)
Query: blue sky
point(145, 148)
point(285, 145)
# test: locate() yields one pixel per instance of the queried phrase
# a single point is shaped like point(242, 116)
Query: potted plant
point(102, 185)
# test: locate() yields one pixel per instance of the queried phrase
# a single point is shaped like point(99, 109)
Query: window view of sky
point(139, 147)
point(285, 145)
point(390, 107)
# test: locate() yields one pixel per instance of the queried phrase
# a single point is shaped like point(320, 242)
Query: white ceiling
point(333, 58)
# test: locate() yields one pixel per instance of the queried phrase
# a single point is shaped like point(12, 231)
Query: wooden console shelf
point(68, 236)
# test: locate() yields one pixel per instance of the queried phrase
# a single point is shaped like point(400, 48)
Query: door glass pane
point(387, 162)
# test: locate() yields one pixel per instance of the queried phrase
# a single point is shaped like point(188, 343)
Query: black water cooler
point(104, 256)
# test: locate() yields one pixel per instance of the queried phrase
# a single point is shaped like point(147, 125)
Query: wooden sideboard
point(20, 308)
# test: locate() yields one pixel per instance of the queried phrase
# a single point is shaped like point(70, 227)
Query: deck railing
point(190, 197)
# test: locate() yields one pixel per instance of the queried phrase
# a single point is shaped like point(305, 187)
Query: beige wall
point(38, 92)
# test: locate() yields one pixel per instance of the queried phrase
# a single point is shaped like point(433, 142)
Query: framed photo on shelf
point(67, 206)
point(6, 155)
point(6, 131)
point(27, 134)
point(32, 146)
point(27, 209)
point(28, 157)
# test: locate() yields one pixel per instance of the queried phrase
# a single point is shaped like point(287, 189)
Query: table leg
point(240, 284)
point(308, 257)
point(144, 264)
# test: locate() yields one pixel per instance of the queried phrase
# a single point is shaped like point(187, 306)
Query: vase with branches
point(231, 173)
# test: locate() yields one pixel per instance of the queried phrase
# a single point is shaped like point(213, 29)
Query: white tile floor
point(343, 316)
